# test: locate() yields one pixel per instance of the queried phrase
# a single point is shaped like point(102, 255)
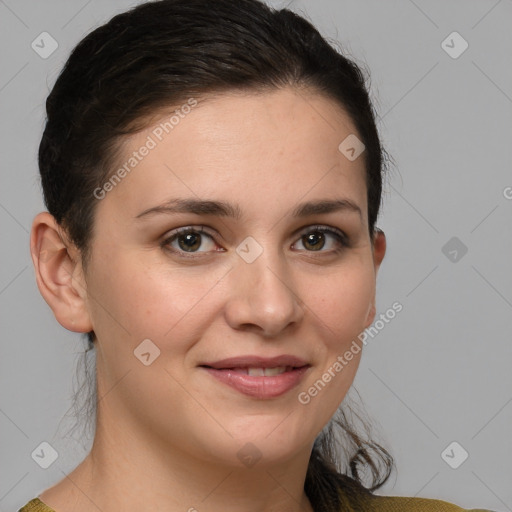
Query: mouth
point(259, 377)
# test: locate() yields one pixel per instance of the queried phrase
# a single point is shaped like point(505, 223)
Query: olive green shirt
point(375, 504)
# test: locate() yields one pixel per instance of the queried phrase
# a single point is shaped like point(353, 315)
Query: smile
point(257, 377)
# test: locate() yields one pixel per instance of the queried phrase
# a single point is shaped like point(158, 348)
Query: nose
point(263, 298)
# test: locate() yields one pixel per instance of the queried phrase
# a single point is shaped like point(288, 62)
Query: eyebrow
point(225, 209)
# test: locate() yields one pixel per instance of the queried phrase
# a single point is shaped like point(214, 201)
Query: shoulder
point(36, 505)
point(407, 504)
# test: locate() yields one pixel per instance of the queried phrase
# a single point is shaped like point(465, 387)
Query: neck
point(130, 470)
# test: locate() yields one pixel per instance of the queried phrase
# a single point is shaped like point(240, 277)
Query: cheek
point(341, 306)
point(343, 302)
point(135, 300)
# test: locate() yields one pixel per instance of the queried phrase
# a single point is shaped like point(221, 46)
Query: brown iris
point(193, 241)
point(313, 239)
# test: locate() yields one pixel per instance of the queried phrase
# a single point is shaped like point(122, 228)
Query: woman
point(212, 173)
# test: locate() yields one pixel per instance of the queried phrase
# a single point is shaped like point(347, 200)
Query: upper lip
point(257, 362)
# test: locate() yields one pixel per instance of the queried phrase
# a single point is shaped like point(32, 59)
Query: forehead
point(261, 148)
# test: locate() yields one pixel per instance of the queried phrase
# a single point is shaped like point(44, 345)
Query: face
point(247, 298)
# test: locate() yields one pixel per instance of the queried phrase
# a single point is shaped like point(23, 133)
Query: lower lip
point(260, 386)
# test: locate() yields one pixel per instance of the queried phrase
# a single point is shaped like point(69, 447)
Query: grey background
point(440, 371)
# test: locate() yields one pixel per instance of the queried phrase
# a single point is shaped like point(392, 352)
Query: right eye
point(187, 240)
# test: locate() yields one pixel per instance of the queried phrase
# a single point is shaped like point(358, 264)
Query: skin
point(168, 433)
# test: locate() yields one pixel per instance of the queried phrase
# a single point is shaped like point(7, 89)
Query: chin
point(274, 440)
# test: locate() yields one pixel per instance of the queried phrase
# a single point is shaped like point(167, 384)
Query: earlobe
point(58, 276)
point(371, 314)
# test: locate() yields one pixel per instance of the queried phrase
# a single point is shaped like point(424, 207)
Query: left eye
point(314, 239)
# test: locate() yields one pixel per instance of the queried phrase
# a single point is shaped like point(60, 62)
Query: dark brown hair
point(158, 55)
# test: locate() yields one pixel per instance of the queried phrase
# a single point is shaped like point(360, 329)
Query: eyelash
point(341, 238)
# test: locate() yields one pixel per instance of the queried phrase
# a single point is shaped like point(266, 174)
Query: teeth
point(256, 372)
point(266, 372)
point(269, 372)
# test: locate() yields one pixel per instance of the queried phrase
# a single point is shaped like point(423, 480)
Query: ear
point(379, 250)
point(59, 275)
